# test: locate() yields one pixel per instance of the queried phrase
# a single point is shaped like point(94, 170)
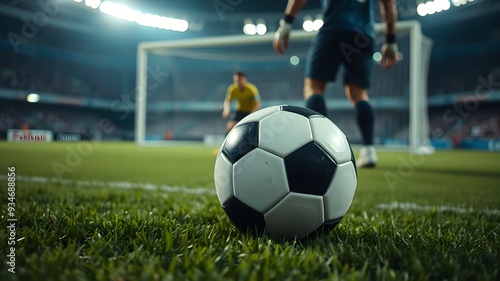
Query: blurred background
point(69, 67)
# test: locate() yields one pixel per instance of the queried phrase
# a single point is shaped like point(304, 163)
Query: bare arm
point(256, 106)
point(389, 15)
point(389, 50)
point(226, 111)
point(257, 103)
point(294, 6)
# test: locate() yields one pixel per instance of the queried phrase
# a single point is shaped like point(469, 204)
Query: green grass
point(436, 217)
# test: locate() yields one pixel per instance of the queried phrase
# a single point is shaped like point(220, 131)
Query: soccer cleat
point(367, 157)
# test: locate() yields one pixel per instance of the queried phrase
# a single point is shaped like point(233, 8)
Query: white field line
point(406, 206)
point(120, 184)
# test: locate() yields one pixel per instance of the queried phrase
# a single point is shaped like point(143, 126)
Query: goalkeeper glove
point(282, 35)
point(389, 51)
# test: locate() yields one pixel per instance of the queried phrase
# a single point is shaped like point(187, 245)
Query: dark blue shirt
point(348, 15)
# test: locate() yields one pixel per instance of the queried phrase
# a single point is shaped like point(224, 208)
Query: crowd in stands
point(90, 81)
point(482, 122)
point(59, 77)
point(88, 123)
point(34, 73)
point(464, 74)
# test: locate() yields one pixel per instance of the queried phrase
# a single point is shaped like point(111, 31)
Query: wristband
point(288, 19)
point(390, 38)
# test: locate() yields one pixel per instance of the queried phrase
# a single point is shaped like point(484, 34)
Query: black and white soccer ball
point(286, 171)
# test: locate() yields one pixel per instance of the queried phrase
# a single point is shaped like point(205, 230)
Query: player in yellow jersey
point(247, 99)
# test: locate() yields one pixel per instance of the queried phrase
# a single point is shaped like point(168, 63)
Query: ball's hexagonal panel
point(296, 215)
point(283, 132)
point(223, 177)
point(240, 141)
point(260, 180)
point(306, 112)
point(339, 196)
point(331, 138)
point(260, 114)
point(309, 170)
point(244, 217)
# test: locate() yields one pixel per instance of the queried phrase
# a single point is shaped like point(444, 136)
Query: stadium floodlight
point(308, 24)
point(437, 6)
point(33, 97)
point(431, 9)
point(163, 22)
point(119, 11)
point(150, 20)
point(249, 28)
point(445, 4)
point(94, 4)
point(261, 27)
point(162, 103)
point(422, 9)
point(318, 22)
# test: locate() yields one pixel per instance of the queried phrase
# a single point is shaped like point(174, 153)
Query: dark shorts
point(238, 115)
point(329, 50)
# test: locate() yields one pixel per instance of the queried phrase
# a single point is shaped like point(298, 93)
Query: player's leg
point(313, 95)
point(357, 81)
point(365, 116)
point(321, 66)
point(365, 119)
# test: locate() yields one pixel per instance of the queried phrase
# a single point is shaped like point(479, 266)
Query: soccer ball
point(287, 171)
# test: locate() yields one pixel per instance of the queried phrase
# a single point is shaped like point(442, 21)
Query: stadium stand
point(69, 79)
point(42, 74)
point(85, 86)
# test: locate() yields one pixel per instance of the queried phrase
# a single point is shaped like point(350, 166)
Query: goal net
point(181, 85)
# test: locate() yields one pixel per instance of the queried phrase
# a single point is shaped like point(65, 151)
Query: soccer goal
point(181, 85)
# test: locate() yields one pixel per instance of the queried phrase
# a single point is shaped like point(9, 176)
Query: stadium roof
point(225, 15)
point(474, 21)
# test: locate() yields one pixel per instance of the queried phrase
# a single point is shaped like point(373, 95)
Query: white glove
point(281, 36)
point(389, 51)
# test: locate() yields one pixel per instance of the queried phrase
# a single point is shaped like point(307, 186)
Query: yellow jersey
point(246, 99)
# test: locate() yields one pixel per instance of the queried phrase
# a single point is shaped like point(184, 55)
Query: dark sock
point(316, 102)
point(365, 119)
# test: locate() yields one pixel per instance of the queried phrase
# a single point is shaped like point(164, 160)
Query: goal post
point(197, 71)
